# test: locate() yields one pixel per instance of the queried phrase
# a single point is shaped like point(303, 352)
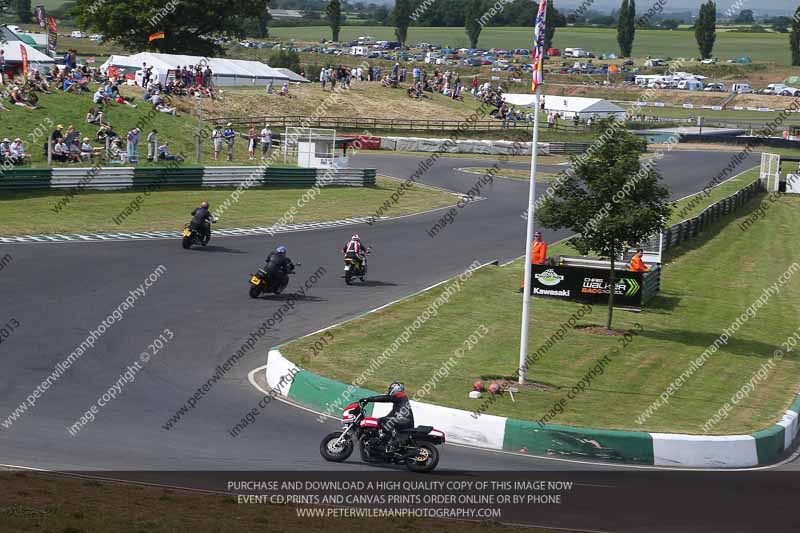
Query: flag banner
point(156, 35)
point(52, 36)
point(41, 16)
point(24, 53)
point(538, 46)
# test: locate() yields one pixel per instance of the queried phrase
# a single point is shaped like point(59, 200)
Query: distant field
point(768, 47)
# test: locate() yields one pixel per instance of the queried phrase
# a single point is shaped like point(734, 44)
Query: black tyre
point(331, 453)
point(187, 243)
point(255, 291)
point(426, 459)
point(348, 277)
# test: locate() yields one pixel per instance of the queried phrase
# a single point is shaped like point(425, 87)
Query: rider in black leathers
point(399, 418)
point(278, 266)
point(201, 221)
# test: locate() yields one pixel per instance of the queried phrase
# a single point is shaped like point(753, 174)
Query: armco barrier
point(764, 447)
point(419, 144)
point(106, 178)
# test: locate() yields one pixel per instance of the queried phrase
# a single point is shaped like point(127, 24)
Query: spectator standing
point(2, 67)
point(266, 141)
point(152, 145)
point(207, 75)
point(252, 140)
point(417, 73)
point(323, 78)
point(216, 139)
point(133, 141)
point(230, 137)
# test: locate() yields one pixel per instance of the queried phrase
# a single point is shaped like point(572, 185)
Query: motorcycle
point(192, 236)
point(262, 282)
point(417, 449)
point(355, 269)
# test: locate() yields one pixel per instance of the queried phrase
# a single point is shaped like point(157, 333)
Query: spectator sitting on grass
point(18, 152)
point(91, 116)
point(164, 108)
point(100, 97)
point(5, 150)
point(164, 155)
point(87, 151)
point(38, 83)
point(18, 98)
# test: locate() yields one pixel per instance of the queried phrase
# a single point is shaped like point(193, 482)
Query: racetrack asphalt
point(58, 292)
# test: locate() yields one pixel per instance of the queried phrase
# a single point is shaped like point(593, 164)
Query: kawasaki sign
point(587, 284)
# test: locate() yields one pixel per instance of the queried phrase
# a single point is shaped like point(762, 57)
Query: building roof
point(11, 51)
point(293, 76)
point(220, 67)
point(567, 104)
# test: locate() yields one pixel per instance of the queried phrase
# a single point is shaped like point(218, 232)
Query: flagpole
point(526, 292)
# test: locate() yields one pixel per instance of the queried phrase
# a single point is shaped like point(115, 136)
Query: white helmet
point(355, 237)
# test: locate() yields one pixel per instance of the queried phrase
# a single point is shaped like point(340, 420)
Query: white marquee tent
point(227, 72)
point(569, 106)
point(12, 53)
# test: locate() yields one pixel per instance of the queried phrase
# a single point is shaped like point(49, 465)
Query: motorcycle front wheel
point(426, 459)
point(187, 243)
point(332, 453)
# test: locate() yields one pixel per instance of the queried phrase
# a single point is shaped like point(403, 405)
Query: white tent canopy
point(12, 53)
point(568, 106)
point(227, 72)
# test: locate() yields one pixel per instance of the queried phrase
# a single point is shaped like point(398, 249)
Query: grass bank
point(706, 286)
point(168, 209)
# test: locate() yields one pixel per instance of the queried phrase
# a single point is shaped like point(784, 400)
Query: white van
point(775, 88)
point(359, 51)
point(575, 52)
point(741, 88)
point(77, 34)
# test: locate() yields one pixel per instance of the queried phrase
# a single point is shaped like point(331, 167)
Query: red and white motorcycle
point(417, 449)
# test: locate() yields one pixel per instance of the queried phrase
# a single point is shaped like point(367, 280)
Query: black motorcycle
point(193, 236)
point(355, 268)
point(417, 449)
point(262, 282)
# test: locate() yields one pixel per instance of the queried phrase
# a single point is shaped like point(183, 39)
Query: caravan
point(690, 85)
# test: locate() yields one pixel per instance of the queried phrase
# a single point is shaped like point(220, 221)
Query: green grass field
point(168, 209)
point(705, 286)
point(767, 47)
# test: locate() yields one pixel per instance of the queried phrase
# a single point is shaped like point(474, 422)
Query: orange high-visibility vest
point(538, 252)
point(637, 265)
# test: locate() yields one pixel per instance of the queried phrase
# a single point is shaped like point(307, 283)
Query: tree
point(705, 29)
point(550, 28)
point(745, 16)
point(611, 200)
point(334, 15)
point(781, 24)
point(794, 38)
point(285, 59)
point(626, 27)
point(401, 19)
point(23, 10)
point(189, 28)
point(474, 13)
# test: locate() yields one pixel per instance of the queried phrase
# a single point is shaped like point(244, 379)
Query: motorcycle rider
point(355, 250)
point(398, 419)
point(201, 221)
point(278, 266)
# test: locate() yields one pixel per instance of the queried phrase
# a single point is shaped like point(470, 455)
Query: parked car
point(77, 34)
point(741, 88)
point(774, 88)
point(715, 87)
point(789, 91)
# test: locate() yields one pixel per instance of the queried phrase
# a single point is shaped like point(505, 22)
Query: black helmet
point(396, 387)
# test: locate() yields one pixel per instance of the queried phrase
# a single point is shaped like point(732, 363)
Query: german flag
point(156, 35)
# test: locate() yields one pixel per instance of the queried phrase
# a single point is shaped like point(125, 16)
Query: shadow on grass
point(663, 304)
point(702, 340)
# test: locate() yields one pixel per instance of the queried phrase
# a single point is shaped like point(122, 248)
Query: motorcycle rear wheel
point(255, 291)
point(187, 243)
point(348, 277)
point(335, 455)
point(426, 459)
